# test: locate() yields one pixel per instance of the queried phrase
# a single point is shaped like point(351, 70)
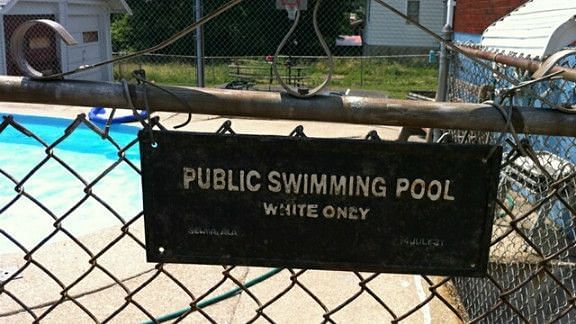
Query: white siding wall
point(547, 26)
point(88, 17)
point(384, 28)
point(77, 16)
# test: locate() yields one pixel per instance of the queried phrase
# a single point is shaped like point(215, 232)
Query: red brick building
point(474, 16)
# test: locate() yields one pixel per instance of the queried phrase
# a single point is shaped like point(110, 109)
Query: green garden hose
point(217, 299)
point(510, 205)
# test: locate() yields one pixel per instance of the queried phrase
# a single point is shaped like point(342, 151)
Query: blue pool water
point(57, 188)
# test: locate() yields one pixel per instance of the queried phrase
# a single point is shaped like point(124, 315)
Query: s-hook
point(304, 93)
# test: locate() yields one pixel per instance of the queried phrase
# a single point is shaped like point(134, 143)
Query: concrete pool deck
point(126, 261)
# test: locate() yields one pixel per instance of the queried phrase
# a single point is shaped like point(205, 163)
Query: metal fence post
point(199, 47)
point(443, 69)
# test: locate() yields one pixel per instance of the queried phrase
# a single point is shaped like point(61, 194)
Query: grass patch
point(396, 77)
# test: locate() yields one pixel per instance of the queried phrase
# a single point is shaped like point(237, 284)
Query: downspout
point(444, 67)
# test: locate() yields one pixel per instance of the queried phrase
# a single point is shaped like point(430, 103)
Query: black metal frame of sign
point(318, 203)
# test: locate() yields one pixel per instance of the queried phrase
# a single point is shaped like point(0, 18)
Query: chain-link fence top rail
point(531, 272)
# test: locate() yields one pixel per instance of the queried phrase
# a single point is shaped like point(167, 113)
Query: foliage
point(156, 20)
point(257, 27)
point(121, 30)
point(250, 28)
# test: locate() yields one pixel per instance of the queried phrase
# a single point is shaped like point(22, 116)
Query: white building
point(537, 28)
point(386, 32)
point(87, 20)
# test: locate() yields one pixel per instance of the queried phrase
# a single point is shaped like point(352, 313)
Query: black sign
point(318, 203)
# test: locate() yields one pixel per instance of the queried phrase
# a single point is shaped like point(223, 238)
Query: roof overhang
point(116, 6)
point(564, 35)
point(538, 28)
point(119, 6)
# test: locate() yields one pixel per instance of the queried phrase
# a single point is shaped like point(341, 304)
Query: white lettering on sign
point(420, 189)
point(287, 209)
point(219, 179)
point(322, 184)
point(352, 213)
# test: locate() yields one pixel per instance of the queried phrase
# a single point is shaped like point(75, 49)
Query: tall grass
point(393, 77)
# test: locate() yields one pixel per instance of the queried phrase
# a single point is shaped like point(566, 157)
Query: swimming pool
point(57, 188)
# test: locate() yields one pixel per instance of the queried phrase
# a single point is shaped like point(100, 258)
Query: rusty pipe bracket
point(551, 61)
point(18, 44)
point(546, 70)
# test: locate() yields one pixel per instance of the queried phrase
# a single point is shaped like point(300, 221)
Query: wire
point(86, 293)
point(183, 102)
point(305, 93)
point(229, 294)
point(152, 49)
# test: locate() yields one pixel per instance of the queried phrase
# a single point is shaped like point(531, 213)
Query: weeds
point(393, 77)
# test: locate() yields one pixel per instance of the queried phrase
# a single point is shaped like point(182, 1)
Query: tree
point(121, 33)
point(156, 20)
point(254, 27)
point(257, 28)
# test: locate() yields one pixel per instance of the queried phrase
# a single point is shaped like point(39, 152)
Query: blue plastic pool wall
point(556, 93)
point(467, 71)
point(477, 295)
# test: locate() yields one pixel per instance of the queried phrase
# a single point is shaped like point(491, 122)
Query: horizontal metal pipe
point(518, 62)
point(269, 105)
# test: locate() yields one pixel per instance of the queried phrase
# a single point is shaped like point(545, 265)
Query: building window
point(90, 37)
point(413, 10)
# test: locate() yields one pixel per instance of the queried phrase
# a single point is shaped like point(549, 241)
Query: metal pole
point(444, 67)
point(362, 70)
point(199, 47)
point(271, 105)
point(519, 62)
point(443, 71)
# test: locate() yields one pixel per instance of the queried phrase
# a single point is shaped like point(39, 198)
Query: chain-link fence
point(73, 248)
point(71, 221)
point(532, 255)
point(72, 235)
point(239, 45)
